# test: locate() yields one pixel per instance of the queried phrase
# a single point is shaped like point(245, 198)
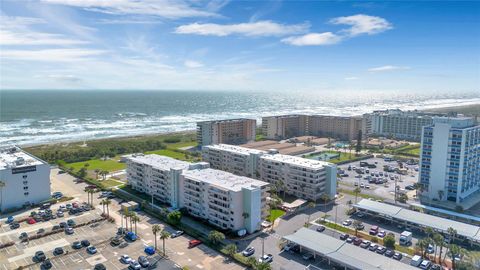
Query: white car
point(347, 222)
point(268, 258)
point(125, 259)
point(134, 265)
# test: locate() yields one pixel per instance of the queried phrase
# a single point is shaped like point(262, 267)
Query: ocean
point(29, 117)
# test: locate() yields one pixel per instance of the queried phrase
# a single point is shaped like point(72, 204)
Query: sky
point(240, 45)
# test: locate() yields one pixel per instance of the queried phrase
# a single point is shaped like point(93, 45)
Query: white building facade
point(24, 179)
point(231, 131)
point(450, 162)
point(304, 178)
point(223, 199)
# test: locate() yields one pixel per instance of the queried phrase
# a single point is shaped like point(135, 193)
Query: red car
point(75, 205)
point(31, 221)
point(357, 241)
point(193, 243)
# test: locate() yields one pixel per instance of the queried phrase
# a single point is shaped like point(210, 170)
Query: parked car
point(436, 267)
point(397, 256)
point(71, 223)
point(347, 222)
point(320, 228)
point(46, 264)
point(77, 245)
point(289, 246)
point(40, 231)
point(365, 244)
point(308, 256)
point(149, 250)
point(268, 258)
point(381, 250)
point(248, 251)
point(116, 241)
point(382, 233)
point(125, 259)
point(91, 249)
point(31, 221)
point(10, 219)
point(143, 261)
point(14, 225)
point(69, 230)
point(373, 247)
point(373, 230)
point(430, 249)
point(177, 234)
point(193, 243)
point(389, 253)
point(58, 251)
point(350, 239)
point(357, 241)
point(23, 235)
point(40, 256)
point(425, 264)
point(99, 266)
point(344, 236)
point(62, 224)
point(85, 243)
point(134, 265)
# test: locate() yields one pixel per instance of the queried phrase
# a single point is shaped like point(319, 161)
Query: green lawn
point(168, 153)
point(180, 145)
point(110, 183)
point(104, 165)
point(274, 214)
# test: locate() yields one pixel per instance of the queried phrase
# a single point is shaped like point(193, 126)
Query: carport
point(338, 252)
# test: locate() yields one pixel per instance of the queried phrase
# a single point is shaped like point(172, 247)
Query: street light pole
point(263, 246)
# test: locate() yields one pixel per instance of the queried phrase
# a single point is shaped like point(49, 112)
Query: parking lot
point(376, 181)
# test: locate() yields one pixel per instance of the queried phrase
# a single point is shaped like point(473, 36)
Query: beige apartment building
point(231, 131)
point(284, 126)
point(339, 127)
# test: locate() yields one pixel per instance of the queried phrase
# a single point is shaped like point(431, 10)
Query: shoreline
point(463, 109)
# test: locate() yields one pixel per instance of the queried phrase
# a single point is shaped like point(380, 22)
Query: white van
point(416, 260)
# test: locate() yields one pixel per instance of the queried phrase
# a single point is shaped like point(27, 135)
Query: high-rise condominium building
point(284, 126)
point(226, 200)
point(405, 125)
point(24, 179)
point(232, 131)
point(339, 127)
point(305, 178)
point(450, 162)
point(234, 159)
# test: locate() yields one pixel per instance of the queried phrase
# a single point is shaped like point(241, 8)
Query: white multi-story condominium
point(339, 127)
point(157, 176)
point(226, 200)
point(304, 178)
point(405, 125)
point(284, 126)
point(197, 188)
point(234, 159)
point(24, 179)
point(450, 162)
point(231, 131)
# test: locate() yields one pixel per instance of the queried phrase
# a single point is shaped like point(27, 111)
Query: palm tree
point(135, 219)
point(356, 224)
point(107, 202)
point(454, 251)
point(422, 246)
point(103, 206)
point(104, 174)
point(87, 190)
point(356, 191)
point(156, 229)
point(97, 171)
point(438, 239)
point(91, 191)
point(231, 250)
point(125, 216)
point(452, 233)
point(164, 235)
point(311, 205)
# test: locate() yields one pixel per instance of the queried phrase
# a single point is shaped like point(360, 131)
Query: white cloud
point(387, 68)
point(17, 31)
point(313, 39)
point(164, 8)
point(362, 24)
point(261, 28)
point(65, 78)
point(51, 55)
point(351, 78)
point(192, 64)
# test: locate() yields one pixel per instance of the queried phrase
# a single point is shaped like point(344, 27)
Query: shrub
point(172, 140)
point(389, 241)
point(374, 239)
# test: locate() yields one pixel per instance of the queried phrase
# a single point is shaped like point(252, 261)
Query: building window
point(25, 188)
point(25, 182)
point(25, 193)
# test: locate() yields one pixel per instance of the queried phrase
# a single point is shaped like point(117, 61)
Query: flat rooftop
point(435, 222)
point(14, 157)
point(227, 120)
point(343, 253)
point(160, 162)
point(223, 179)
point(234, 149)
point(298, 161)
